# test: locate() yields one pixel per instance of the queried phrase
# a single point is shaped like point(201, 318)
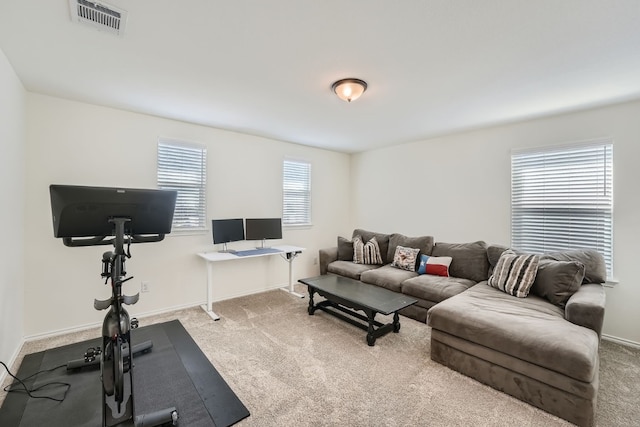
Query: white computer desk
point(288, 253)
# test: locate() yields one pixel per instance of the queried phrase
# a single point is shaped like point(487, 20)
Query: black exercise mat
point(174, 373)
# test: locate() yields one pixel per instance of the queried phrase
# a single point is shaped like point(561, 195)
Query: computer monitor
point(263, 229)
point(227, 230)
point(81, 211)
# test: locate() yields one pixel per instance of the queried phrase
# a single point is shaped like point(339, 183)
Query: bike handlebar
point(108, 240)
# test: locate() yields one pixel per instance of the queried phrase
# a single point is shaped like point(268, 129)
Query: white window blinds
point(562, 198)
point(296, 193)
point(183, 167)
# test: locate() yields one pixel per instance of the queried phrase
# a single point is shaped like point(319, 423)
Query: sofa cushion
point(424, 243)
point(405, 258)
point(349, 269)
point(469, 259)
point(366, 253)
point(382, 239)
point(595, 269)
point(514, 274)
point(345, 249)
point(435, 265)
point(387, 277)
point(435, 288)
point(531, 329)
point(493, 254)
point(556, 281)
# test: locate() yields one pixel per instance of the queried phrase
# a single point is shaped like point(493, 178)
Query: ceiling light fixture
point(349, 89)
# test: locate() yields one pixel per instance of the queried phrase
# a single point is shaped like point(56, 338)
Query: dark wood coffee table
point(348, 296)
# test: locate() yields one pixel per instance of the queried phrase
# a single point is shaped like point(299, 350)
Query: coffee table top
point(373, 297)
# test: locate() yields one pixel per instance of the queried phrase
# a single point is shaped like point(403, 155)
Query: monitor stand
point(262, 245)
point(226, 250)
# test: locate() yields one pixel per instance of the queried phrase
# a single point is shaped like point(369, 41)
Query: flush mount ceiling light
point(349, 89)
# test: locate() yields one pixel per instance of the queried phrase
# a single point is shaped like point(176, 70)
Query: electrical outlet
point(144, 287)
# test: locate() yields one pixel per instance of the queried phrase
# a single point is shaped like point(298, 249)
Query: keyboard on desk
point(257, 251)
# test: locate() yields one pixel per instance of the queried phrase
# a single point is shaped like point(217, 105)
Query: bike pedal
point(91, 354)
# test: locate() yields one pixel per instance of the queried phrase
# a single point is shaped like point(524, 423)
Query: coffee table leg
point(312, 307)
point(396, 322)
point(371, 338)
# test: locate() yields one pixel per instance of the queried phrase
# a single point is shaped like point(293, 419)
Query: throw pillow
point(405, 258)
point(366, 253)
point(434, 265)
point(514, 274)
point(345, 249)
point(558, 280)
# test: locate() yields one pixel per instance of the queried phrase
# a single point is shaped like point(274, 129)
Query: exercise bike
point(79, 211)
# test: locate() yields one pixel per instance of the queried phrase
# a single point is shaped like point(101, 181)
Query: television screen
point(227, 230)
point(263, 228)
point(80, 211)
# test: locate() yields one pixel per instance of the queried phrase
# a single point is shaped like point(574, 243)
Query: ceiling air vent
point(100, 16)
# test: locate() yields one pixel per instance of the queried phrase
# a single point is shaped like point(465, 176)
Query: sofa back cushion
point(595, 268)
point(469, 260)
point(424, 243)
point(382, 239)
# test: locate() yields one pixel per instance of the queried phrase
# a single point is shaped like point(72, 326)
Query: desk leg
point(209, 307)
point(290, 257)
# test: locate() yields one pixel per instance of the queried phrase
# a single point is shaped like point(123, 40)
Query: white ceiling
point(266, 67)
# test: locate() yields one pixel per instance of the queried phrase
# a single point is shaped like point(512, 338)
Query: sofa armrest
point(327, 256)
point(586, 307)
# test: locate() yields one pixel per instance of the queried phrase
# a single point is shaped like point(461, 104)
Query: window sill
point(611, 282)
point(190, 232)
point(297, 226)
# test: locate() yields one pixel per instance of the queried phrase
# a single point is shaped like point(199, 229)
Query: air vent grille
point(101, 16)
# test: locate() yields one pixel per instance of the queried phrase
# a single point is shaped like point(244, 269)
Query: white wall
point(457, 188)
point(12, 128)
point(81, 144)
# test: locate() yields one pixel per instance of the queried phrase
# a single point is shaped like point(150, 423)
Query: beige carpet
point(292, 369)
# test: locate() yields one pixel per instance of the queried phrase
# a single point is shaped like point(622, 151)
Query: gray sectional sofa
point(542, 349)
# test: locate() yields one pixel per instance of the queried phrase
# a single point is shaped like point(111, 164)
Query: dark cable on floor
point(24, 388)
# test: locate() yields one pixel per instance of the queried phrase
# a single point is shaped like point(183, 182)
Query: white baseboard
point(98, 324)
point(621, 341)
point(11, 361)
point(244, 294)
point(86, 326)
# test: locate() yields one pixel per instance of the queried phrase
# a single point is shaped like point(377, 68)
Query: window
point(183, 167)
point(562, 198)
point(296, 193)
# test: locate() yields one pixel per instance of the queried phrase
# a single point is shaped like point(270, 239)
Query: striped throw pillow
point(366, 253)
point(514, 274)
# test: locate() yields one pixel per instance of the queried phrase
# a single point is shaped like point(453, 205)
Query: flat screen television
point(263, 229)
point(81, 211)
point(227, 230)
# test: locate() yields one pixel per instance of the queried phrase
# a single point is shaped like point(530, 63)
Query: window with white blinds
point(183, 167)
point(296, 193)
point(562, 198)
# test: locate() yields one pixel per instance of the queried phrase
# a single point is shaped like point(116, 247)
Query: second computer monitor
point(263, 228)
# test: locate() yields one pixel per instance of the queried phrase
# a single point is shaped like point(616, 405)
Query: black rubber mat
point(174, 373)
